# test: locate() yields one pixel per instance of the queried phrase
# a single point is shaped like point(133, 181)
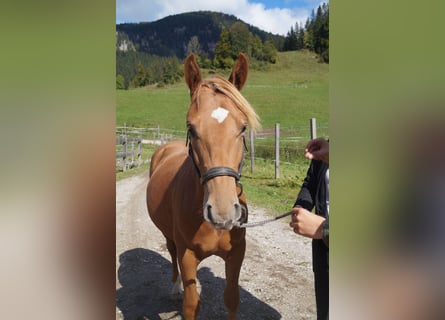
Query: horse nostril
point(209, 212)
point(238, 211)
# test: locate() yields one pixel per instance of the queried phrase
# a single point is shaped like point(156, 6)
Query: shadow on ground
point(145, 277)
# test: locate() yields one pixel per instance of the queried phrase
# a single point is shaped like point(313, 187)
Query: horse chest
point(217, 243)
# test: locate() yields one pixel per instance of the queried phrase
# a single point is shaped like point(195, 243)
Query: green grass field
point(290, 92)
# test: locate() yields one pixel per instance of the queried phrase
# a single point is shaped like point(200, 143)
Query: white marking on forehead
point(220, 114)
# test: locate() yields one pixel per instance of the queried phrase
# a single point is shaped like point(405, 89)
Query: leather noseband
point(219, 171)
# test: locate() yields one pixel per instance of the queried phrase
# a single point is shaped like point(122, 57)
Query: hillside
point(169, 36)
point(290, 92)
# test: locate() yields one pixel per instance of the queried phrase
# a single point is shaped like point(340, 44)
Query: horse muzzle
point(226, 213)
point(231, 218)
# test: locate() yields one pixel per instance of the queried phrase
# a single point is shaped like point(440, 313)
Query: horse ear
point(192, 73)
point(239, 72)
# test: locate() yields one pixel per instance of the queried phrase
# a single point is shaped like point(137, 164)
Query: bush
point(120, 82)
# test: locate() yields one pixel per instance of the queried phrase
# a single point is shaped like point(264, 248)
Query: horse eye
point(243, 129)
point(192, 131)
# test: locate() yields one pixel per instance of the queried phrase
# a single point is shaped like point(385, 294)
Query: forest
point(314, 35)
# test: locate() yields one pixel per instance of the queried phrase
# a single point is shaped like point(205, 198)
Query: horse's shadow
point(145, 277)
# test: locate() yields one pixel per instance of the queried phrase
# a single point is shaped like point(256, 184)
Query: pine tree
point(300, 38)
point(321, 32)
point(120, 82)
point(239, 39)
point(257, 48)
point(270, 52)
point(139, 79)
point(223, 49)
point(193, 46)
point(290, 43)
point(149, 75)
point(309, 35)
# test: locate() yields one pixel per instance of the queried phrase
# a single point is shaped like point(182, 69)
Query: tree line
point(314, 35)
point(137, 69)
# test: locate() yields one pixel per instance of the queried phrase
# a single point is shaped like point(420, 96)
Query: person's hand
point(306, 223)
point(317, 149)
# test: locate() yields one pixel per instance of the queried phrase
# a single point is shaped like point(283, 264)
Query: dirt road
point(276, 280)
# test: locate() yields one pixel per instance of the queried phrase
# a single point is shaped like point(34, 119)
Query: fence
point(279, 144)
point(291, 141)
point(124, 151)
point(129, 141)
point(155, 135)
point(282, 144)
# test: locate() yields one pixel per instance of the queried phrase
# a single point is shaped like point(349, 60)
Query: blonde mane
point(219, 84)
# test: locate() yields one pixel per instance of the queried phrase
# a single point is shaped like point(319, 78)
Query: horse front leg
point(177, 289)
point(233, 268)
point(188, 263)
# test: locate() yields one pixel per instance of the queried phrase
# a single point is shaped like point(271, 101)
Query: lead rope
point(260, 223)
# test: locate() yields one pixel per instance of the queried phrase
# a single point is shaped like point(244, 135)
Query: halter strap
point(219, 171)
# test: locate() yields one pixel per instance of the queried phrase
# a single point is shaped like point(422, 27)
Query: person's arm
point(305, 197)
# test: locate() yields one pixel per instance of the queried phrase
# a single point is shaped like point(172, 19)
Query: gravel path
point(276, 279)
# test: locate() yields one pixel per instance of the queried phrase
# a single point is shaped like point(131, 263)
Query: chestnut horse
point(193, 195)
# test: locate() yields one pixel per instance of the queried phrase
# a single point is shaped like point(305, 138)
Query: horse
point(193, 195)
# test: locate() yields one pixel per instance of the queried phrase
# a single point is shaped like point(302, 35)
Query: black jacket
point(313, 194)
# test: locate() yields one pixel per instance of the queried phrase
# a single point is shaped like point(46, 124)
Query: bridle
point(218, 171)
point(226, 171)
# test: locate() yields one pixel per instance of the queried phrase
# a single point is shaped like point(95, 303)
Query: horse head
point(217, 121)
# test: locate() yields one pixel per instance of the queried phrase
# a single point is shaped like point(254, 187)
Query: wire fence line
point(287, 134)
point(292, 141)
point(154, 135)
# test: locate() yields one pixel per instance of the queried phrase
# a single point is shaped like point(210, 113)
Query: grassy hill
point(290, 92)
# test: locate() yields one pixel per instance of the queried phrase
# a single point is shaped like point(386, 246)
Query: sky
point(275, 16)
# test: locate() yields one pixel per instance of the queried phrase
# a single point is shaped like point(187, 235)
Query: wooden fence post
point(277, 150)
point(313, 124)
point(252, 152)
point(124, 143)
point(139, 150)
point(123, 139)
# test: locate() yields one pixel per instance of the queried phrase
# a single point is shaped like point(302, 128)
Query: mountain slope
point(169, 36)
